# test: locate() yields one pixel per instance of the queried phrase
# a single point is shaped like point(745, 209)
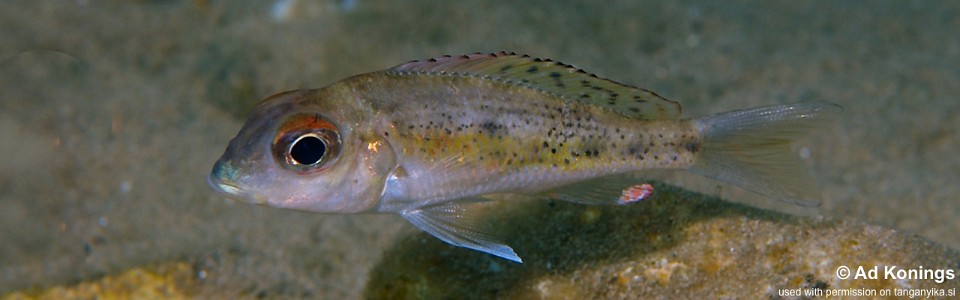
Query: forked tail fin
point(751, 148)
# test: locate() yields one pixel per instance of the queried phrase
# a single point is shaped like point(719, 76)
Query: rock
point(676, 243)
point(169, 280)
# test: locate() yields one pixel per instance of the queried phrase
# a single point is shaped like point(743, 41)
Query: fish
point(430, 139)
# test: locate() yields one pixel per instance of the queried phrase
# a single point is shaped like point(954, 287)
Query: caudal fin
point(751, 148)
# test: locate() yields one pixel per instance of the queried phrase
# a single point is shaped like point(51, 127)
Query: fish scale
point(430, 138)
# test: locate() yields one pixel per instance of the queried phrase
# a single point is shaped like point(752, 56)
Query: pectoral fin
point(455, 224)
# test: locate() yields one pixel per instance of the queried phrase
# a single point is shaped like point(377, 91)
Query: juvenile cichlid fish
point(428, 138)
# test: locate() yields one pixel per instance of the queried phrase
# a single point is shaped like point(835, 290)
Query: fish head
point(302, 150)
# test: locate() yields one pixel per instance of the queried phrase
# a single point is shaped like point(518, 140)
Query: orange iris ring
point(301, 125)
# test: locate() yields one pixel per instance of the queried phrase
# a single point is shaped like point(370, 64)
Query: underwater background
point(113, 112)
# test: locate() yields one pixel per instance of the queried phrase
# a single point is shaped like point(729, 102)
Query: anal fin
point(615, 189)
point(454, 223)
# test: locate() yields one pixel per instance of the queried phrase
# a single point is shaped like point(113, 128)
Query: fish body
point(429, 138)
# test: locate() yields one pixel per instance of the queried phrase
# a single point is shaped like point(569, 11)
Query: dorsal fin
point(551, 77)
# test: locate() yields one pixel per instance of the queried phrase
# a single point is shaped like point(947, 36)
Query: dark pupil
point(307, 150)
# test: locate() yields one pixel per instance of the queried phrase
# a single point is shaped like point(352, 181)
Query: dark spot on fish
point(490, 127)
point(634, 109)
point(555, 74)
point(532, 69)
point(553, 150)
point(693, 146)
point(545, 145)
point(387, 134)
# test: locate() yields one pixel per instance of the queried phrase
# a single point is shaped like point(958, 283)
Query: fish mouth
point(227, 189)
point(223, 179)
point(232, 191)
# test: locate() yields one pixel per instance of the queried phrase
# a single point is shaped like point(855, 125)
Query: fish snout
point(224, 178)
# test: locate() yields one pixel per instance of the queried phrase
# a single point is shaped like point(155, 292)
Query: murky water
point(112, 113)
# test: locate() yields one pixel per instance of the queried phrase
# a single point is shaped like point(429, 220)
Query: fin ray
point(605, 190)
point(751, 148)
point(454, 223)
point(552, 77)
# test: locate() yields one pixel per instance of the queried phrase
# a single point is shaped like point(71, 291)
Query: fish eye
point(308, 149)
point(306, 143)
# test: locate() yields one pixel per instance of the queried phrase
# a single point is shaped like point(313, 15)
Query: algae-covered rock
point(172, 280)
point(675, 244)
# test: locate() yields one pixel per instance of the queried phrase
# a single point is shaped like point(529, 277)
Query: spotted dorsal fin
point(551, 77)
